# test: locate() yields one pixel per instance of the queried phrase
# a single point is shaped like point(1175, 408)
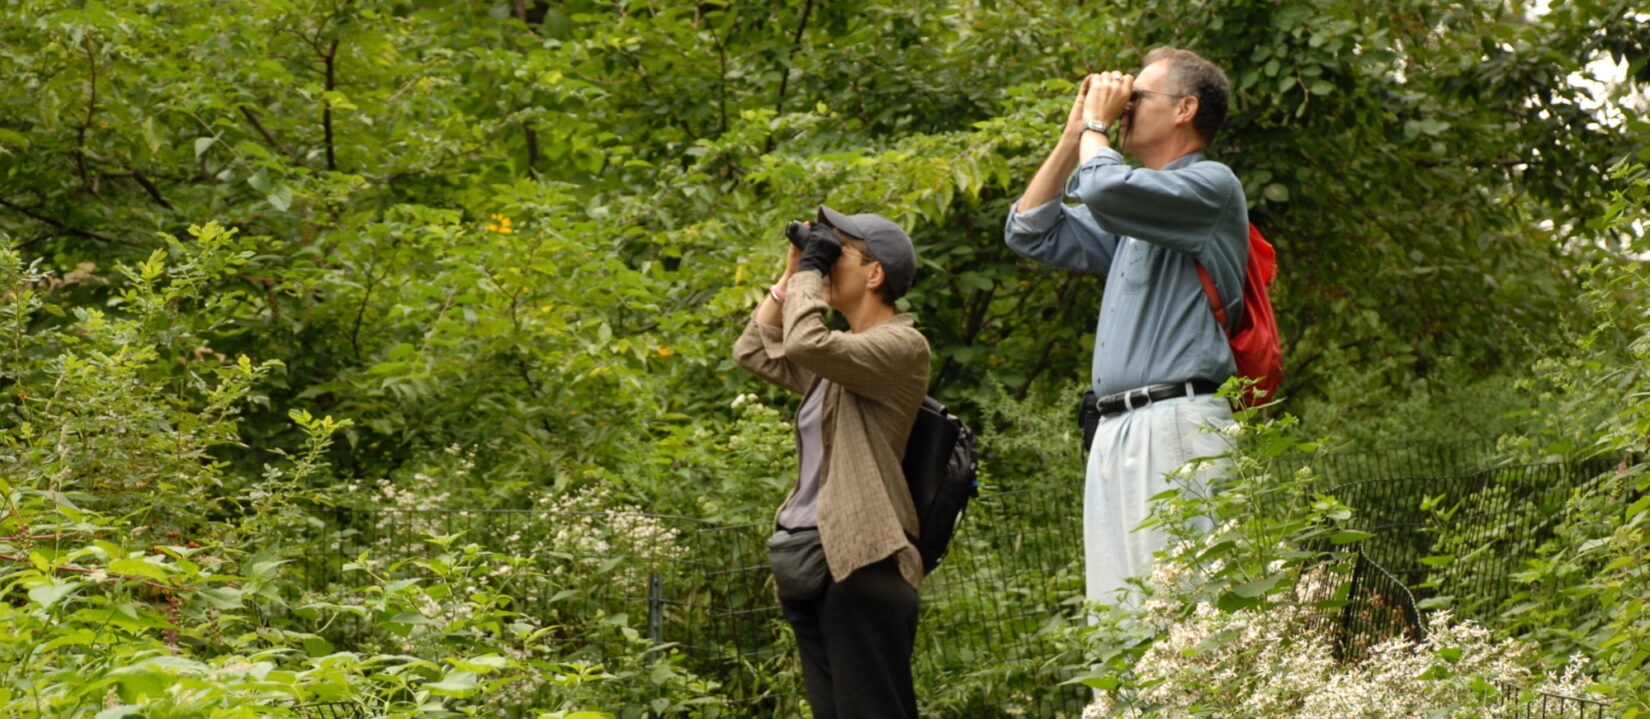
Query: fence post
point(655, 611)
point(655, 621)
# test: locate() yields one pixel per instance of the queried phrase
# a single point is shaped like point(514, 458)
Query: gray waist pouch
point(798, 562)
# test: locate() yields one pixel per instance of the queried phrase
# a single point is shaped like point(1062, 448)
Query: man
point(844, 566)
point(1159, 353)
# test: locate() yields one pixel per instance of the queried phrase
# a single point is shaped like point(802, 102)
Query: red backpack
point(1254, 337)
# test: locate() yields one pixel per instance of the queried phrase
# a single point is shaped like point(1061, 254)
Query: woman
point(844, 566)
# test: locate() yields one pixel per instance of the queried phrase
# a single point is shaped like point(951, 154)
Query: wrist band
point(778, 294)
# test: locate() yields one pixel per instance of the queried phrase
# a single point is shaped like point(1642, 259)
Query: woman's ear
point(874, 280)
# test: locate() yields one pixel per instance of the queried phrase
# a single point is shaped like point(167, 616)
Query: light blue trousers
point(1136, 455)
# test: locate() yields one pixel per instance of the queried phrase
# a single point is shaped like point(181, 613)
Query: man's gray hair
point(1190, 74)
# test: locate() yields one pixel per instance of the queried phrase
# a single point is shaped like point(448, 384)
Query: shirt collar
point(1185, 160)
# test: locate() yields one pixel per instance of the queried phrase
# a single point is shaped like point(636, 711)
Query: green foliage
point(258, 256)
point(126, 564)
point(1580, 588)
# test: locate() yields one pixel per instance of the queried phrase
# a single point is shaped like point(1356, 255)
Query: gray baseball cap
point(887, 242)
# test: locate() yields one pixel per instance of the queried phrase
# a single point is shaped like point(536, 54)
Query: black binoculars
point(797, 233)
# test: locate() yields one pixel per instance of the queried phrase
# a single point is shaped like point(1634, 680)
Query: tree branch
point(785, 76)
point(83, 570)
point(54, 223)
point(86, 177)
point(528, 134)
point(796, 44)
point(154, 192)
point(269, 137)
point(330, 57)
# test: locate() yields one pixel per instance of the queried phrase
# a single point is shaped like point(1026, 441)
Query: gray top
point(1143, 229)
point(802, 510)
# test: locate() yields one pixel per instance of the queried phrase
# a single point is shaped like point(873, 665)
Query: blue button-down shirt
point(1144, 229)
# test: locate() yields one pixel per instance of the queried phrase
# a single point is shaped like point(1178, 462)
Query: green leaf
point(281, 197)
point(259, 180)
point(454, 684)
point(221, 598)
point(1257, 588)
point(1104, 684)
point(119, 712)
point(1441, 601)
point(1348, 536)
point(135, 567)
point(1276, 192)
point(1231, 602)
point(202, 144)
point(48, 594)
point(13, 138)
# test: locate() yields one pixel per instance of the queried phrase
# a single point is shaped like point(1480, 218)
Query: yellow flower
point(500, 224)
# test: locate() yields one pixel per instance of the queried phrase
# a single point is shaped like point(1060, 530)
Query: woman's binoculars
point(797, 233)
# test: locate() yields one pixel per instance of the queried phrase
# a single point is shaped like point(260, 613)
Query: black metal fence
point(332, 710)
point(991, 612)
point(1455, 537)
point(985, 630)
point(1525, 704)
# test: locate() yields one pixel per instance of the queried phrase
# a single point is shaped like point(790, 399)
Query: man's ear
point(1186, 111)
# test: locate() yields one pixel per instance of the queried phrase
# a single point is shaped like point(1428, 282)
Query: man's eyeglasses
point(1134, 97)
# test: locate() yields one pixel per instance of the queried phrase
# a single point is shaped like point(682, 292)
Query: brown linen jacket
point(878, 379)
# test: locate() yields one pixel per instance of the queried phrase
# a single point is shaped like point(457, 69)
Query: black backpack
point(940, 469)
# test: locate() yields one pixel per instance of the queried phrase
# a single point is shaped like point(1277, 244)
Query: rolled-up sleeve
point(1174, 209)
point(1065, 237)
point(760, 349)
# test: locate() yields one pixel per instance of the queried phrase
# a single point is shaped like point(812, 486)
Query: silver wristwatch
point(1096, 126)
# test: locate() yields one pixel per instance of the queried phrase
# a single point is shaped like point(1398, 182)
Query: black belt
point(1137, 398)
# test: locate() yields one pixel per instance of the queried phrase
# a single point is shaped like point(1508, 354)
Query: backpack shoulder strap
point(1214, 296)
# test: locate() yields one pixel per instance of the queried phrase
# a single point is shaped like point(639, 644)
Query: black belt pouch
point(798, 561)
point(1088, 417)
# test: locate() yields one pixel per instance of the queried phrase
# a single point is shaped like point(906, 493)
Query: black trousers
point(856, 640)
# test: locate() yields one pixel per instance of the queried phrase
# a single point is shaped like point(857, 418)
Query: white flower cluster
point(1278, 662)
point(406, 513)
point(590, 530)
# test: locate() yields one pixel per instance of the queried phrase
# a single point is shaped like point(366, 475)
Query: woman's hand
point(793, 261)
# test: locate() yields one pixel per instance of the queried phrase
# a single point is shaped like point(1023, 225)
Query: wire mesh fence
point(984, 630)
point(1457, 536)
point(332, 710)
point(1525, 704)
point(993, 612)
point(1378, 607)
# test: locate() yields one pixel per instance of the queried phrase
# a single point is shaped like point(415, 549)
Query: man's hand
point(1075, 119)
point(1108, 95)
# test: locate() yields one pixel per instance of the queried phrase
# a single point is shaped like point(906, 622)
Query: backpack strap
point(1214, 297)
